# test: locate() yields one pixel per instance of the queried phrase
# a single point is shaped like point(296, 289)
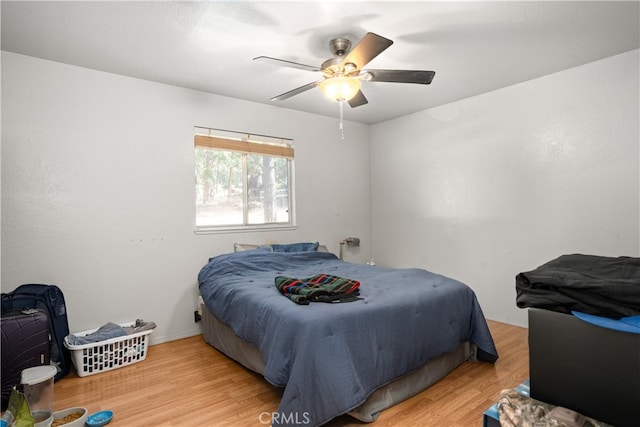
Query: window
point(243, 181)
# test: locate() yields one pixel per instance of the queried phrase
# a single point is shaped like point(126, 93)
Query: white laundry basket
point(102, 356)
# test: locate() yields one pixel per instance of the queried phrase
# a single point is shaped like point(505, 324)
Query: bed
point(408, 329)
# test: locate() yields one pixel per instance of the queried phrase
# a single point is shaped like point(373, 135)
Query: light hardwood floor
point(188, 383)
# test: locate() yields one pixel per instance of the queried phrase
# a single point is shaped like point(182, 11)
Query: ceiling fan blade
point(401, 76)
point(370, 46)
point(358, 100)
point(285, 63)
point(295, 91)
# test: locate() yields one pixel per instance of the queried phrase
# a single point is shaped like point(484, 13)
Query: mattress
point(221, 336)
point(329, 358)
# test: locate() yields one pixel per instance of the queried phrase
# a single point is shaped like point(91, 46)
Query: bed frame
point(220, 336)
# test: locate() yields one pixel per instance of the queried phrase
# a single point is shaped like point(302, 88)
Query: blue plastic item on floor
point(99, 418)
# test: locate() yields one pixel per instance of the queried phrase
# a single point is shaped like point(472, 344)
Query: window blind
point(243, 146)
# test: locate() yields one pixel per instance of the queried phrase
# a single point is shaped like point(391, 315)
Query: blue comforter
point(330, 356)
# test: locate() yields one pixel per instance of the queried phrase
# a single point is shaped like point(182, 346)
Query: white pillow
point(240, 247)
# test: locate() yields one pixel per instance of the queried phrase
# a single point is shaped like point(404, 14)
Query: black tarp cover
point(603, 286)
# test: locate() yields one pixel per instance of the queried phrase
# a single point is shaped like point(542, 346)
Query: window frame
point(247, 144)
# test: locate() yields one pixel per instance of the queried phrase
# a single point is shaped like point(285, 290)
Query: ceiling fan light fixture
point(366, 76)
point(340, 88)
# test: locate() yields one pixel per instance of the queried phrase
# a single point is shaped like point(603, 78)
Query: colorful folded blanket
point(319, 288)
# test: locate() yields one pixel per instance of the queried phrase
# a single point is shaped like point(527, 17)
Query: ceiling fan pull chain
point(341, 124)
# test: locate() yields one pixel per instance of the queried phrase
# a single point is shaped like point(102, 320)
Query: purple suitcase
point(24, 344)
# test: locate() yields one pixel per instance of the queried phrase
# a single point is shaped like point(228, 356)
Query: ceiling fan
point(343, 74)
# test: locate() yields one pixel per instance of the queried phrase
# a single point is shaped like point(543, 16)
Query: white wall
point(490, 186)
point(98, 189)
point(97, 185)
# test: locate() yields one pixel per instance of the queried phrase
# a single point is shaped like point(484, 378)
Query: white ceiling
point(474, 47)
